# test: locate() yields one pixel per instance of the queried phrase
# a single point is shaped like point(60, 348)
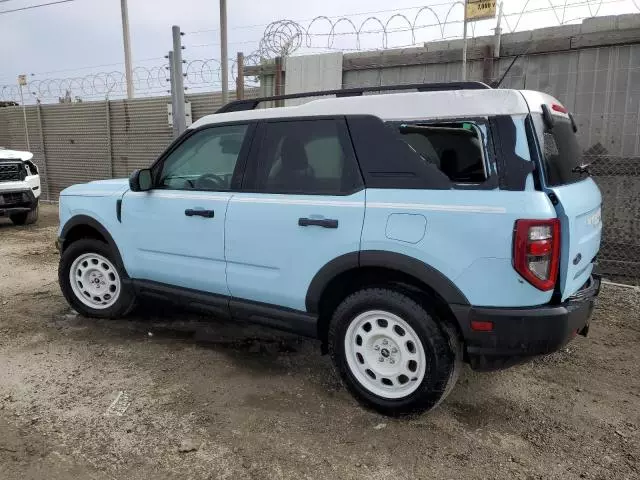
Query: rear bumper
point(521, 333)
point(26, 204)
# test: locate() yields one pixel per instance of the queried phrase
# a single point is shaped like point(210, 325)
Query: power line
point(33, 6)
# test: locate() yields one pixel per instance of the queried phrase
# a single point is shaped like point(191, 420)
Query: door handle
point(318, 222)
point(190, 212)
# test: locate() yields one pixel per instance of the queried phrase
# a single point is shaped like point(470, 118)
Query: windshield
point(561, 153)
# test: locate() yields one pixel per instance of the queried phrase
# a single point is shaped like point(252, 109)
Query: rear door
point(302, 206)
point(576, 197)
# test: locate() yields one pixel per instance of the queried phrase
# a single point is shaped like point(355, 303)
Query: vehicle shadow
point(255, 350)
point(5, 222)
point(253, 347)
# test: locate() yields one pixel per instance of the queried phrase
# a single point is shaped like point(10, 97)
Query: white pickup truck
point(19, 186)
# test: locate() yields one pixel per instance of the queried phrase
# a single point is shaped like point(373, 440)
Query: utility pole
point(224, 57)
point(126, 40)
point(179, 118)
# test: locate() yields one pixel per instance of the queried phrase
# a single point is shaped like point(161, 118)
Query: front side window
point(457, 149)
point(306, 157)
point(204, 161)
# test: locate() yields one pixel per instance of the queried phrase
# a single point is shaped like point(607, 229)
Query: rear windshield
point(561, 153)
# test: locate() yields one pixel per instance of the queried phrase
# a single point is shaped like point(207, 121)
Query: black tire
point(443, 351)
point(126, 298)
point(26, 218)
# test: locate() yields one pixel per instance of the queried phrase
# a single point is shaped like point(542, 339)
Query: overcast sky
point(74, 39)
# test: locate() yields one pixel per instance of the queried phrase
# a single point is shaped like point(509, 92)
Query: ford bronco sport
point(409, 232)
point(19, 186)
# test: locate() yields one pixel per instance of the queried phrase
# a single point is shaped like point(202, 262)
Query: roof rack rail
point(252, 103)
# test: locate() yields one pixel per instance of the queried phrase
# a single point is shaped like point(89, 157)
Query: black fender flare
point(85, 220)
point(425, 273)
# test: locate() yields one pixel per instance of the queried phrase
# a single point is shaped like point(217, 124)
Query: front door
point(302, 205)
point(177, 228)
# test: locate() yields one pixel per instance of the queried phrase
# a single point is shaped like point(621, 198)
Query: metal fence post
point(172, 91)
point(240, 79)
point(278, 81)
point(178, 113)
point(44, 153)
point(109, 146)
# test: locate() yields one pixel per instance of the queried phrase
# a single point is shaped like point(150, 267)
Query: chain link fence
point(619, 182)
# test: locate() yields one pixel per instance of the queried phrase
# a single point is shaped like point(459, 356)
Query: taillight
point(536, 251)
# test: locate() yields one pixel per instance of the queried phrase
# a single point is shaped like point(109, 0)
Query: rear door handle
point(318, 222)
point(190, 212)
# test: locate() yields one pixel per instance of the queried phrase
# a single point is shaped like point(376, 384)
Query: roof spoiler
point(252, 103)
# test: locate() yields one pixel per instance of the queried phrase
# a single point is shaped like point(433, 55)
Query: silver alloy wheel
point(385, 354)
point(95, 281)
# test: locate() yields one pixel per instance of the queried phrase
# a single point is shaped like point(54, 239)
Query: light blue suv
point(409, 232)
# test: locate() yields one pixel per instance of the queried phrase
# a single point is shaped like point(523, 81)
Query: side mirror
point(140, 180)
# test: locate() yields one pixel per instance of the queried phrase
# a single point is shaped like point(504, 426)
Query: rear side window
point(561, 153)
point(455, 148)
point(306, 157)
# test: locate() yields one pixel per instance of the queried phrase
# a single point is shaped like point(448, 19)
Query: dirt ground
point(257, 403)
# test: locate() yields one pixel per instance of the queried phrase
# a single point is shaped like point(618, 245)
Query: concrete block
point(587, 60)
point(518, 37)
point(630, 125)
point(436, 46)
point(599, 24)
point(629, 146)
point(631, 20)
point(457, 44)
point(619, 104)
point(583, 105)
point(482, 41)
point(562, 31)
point(634, 60)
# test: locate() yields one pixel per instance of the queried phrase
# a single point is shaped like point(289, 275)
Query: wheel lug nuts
point(385, 342)
point(394, 350)
point(381, 359)
point(376, 348)
point(392, 361)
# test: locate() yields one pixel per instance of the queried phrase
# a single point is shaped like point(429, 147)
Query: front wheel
point(26, 218)
point(391, 354)
point(91, 281)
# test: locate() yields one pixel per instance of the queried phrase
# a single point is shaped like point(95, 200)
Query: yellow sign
point(480, 9)
point(22, 80)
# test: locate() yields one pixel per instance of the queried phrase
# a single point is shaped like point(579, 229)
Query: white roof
point(404, 106)
point(14, 155)
point(535, 100)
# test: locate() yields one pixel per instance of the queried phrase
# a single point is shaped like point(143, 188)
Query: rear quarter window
point(455, 148)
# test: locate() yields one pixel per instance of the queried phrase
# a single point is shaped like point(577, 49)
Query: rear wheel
point(91, 281)
point(26, 218)
point(393, 355)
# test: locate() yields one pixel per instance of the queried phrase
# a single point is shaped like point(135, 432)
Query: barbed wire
point(289, 36)
point(286, 37)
